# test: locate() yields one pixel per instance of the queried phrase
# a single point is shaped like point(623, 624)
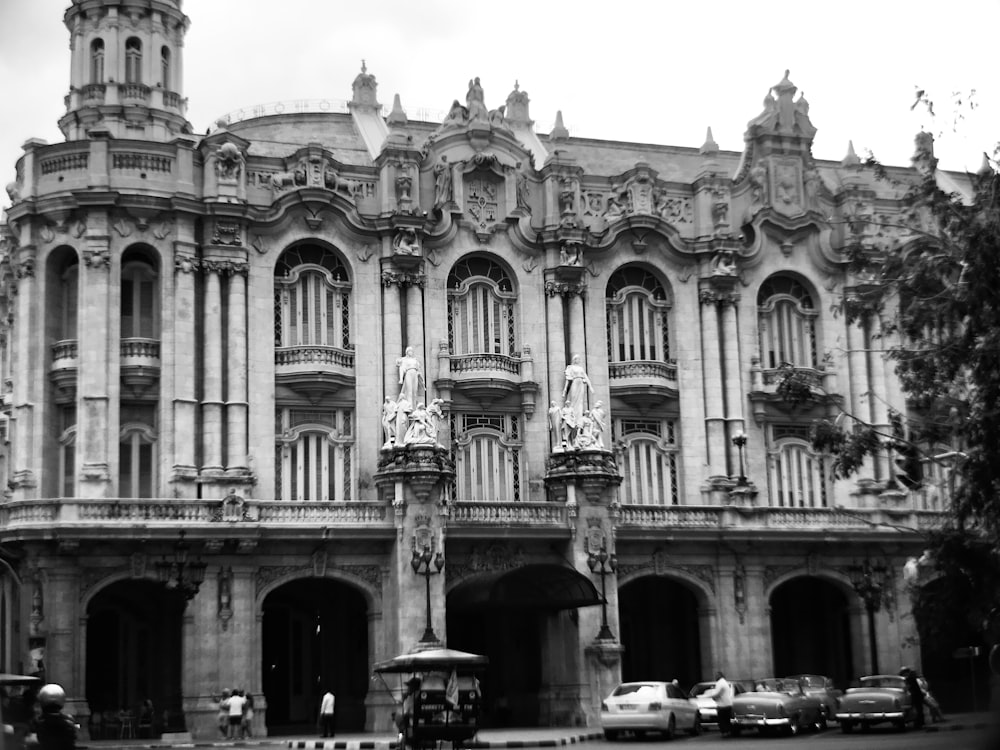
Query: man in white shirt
point(723, 695)
point(236, 701)
point(326, 714)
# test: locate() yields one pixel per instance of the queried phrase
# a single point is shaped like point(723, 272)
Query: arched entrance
point(958, 678)
point(315, 638)
point(660, 631)
point(525, 621)
point(810, 630)
point(134, 636)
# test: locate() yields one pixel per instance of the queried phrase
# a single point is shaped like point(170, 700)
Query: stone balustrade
point(643, 369)
point(462, 363)
point(509, 514)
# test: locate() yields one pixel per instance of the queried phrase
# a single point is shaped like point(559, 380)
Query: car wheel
point(671, 728)
point(846, 727)
point(611, 734)
point(696, 727)
point(793, 726)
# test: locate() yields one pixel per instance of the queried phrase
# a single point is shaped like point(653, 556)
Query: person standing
point(930, 700)
point(54, 728)
point(246, 727)
point(326, 714)
point(223, 715)
point(236, 701)
point(723, 695)
point(916, 696)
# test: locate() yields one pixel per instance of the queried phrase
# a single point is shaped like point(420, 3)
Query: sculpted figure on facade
point(497, 117)
point(406, 243)
point(758, 186)
point(724, 263)
point(475, 102)
point(812, 186)
point(457, 116)
point(598, 417)
point(410, 379)
point(614, 210)
point(389, 410)
point(404, 182)
point(555, 425)
point(229, 162)
point(522, 189)
point(576, 389)
point(442, 183)
point(422, 428)
point(570, 254)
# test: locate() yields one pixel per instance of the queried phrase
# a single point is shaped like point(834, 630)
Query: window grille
point(798, 475)
point(647, 458)
point(637, 317)
point(314, 455)
point(481, 306)
point(487, 453)
point(786, 324)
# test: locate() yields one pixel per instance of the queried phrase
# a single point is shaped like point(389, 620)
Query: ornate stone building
point(387, 383)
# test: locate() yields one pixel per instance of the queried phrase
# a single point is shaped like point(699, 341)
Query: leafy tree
point(937, 294)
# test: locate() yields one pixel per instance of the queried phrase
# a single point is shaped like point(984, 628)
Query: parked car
point(877, 699)
point(642, 707)
point(821, 687)
point(707, 708)
point(15, 708)
point(777, 704)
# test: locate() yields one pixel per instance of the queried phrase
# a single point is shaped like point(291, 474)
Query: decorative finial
point(851, 160)
point(709, 146)
point(517, 86)
point(559, 131)
point(397, 116)
point(364, 68)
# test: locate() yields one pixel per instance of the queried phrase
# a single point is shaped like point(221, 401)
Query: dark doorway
point(315, 638)
point(659, 622)
point(134, 636)
point(810, 630)
point(957, 675)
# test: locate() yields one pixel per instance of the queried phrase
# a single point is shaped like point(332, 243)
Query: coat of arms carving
point(482, 201)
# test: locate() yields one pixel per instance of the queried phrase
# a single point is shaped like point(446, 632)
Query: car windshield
point(811, 680)
point(701, 687)
point(638, 690)
point(884, 681)
point(776, 686)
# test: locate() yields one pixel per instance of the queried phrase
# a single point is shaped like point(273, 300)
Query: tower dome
point(126, 71)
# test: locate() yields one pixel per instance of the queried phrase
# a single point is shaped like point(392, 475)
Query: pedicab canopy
point(434, 660)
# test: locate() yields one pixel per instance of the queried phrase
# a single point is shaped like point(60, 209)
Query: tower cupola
point(126, 71)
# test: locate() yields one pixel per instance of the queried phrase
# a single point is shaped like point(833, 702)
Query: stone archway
point(314, 639)
point(134, 651)
point(661, 631)
point(810, 629)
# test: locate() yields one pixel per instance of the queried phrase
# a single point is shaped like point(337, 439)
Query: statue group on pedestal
point(572, 426)
point(407, 420)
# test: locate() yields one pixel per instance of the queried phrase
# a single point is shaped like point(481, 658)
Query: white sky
point(656, 72)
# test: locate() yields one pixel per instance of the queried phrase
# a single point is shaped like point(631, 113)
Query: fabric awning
point(539, 587)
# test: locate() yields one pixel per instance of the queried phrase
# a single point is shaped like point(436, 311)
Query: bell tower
point(126, 70)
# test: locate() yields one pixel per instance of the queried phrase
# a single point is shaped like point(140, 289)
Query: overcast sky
point(653, 72)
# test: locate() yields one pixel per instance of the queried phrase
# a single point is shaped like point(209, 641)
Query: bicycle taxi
point(439, 695)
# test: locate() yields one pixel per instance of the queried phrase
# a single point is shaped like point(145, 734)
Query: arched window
point(69, 284)
point(637, 312)
point(137, 440)
point(312, 299)
point(67, 451)
point(165, 68)
point(786, 319)
point(481, 305)
point(139, 302)
point(647, 456)
point(798, 474)
point(487, 451)
point(315, 455)
point(133, 60)
point(97, 61)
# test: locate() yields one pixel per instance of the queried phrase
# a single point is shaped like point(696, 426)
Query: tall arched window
point(312, 299)
point(481, 305)
point(637, 310)
point(68, 295)
point(140, 294)
point(315, 455)
point(97, 61)
point(487, 450)
point(798, 475)
point(165, 68)
point(786, 319)
point(137, 440)
point(647, 456)
point(133, 60)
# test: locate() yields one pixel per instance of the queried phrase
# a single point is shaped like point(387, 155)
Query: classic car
point(876, 699)
point(821, 687)
point(777, 704)
point(641, 707)
point(707, 709)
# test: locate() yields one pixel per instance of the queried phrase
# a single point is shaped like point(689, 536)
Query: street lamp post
point(181, 574)
point(740, 441)
point(421, 562)
point(603, 564)
point(868, 581)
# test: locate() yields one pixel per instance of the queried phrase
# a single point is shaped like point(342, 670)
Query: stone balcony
point(140, 363)
point(486, 377)
point(64, 368)
point(643, 383)
point(312, 368)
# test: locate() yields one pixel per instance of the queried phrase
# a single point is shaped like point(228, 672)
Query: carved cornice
point(99, 258)
point(565, 289)
point(402, 279)
point(186, 263)
point(718, 297)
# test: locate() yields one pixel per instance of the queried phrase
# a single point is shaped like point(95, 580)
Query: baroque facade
point(389, 383)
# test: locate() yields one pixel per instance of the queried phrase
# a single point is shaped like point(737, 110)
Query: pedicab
point(440, 700)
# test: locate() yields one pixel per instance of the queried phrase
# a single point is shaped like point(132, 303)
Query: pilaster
point(185, 405)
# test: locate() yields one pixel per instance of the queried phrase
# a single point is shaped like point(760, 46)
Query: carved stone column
point(577, 323)
point(857, 365)
point(555, 330)
point(98, 363)
point(879, 396)
point(236, 371)
point(25, 458)
point(212, 364)
point(734, 392)
point(392, 325)
point(414, 291)
point(715, 431)
point(183, 358)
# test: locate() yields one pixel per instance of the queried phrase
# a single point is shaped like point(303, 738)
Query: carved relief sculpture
point(406, 243)
point(228, 162)
point(758, 186)
point(475, 102)
point(389, 410)
point(575, 393)
point(724, 263)
point(442, 183)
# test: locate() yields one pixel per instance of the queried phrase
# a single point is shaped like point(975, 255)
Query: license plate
point(867, 716)
point(627, 706)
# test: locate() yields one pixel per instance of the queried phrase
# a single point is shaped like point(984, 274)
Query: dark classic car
point(777, 704)
point(821, 687)
point(877, 699)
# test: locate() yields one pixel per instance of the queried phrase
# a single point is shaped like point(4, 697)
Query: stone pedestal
point(604, 673)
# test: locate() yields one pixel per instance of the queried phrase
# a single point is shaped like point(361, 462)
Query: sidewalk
point(486, 738)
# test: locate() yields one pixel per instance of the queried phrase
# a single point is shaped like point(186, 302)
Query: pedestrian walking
point(916, 696)
point(236, 701)
point(223, 715)
point(327, 714)
point(930, 700)
point(723, 695)
point(246, 727)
